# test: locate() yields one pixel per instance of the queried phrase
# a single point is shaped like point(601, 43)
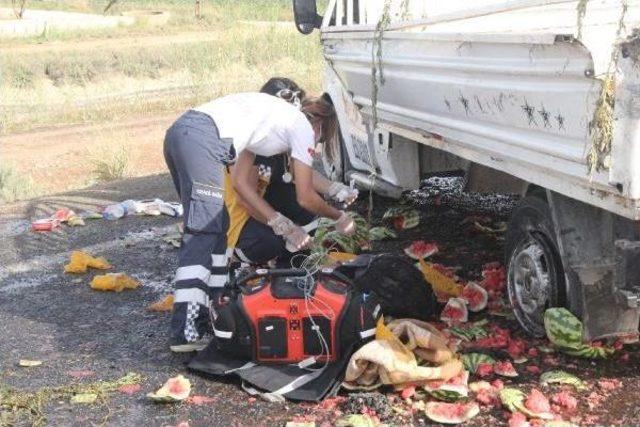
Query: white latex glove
point(345, 224)
point(295, 237)
point(342, 193)
point(280, 224)
point(297, 240)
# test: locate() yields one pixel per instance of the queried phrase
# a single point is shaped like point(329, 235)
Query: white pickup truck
point(537, 97)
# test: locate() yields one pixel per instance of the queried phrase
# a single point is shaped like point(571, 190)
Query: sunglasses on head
point(290, 96)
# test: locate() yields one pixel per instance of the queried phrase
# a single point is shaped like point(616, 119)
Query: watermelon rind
point(590, 352)
point(469, 333)
point(433, 411)
point(449, 392)
point(473, 287)
point(562, 377)
point(455, 304)
point(168, 394)
point(381, 233)
point(470, 361)
point(513, 400)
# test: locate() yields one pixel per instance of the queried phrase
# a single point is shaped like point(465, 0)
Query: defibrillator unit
point(291, 316)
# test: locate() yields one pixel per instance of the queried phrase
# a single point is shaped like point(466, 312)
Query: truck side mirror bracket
point(306, 16)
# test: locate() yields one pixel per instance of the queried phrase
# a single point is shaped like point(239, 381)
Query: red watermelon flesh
point(484, 369)
point(518, 419)
point(505, 369)
point(494, 277)
point(455, 311)
point(451, 413)
point(537, 402)
point(475, 296)
point(421, 249)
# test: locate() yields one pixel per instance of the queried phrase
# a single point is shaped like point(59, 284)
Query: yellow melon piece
point(116, 282)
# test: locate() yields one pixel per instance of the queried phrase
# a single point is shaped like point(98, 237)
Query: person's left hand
point(345, 224)
point(342, 193)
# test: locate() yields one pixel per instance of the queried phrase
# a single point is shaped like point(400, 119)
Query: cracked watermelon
point(455, 311)
point(476, 296)
point(402, 217)
point(420, 249)
point(451, 413)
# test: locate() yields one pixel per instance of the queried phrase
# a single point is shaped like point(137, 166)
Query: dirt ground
point(83, 336)
point(60, 159)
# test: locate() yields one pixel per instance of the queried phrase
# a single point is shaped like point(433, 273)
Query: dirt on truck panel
point(91, 339)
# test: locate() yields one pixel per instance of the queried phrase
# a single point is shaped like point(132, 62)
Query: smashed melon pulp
point(116, 282)
point(81, 261)
point(176, 389)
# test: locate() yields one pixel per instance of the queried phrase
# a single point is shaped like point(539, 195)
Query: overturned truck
point(537, 97)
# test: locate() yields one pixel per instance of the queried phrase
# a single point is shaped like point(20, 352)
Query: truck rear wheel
point(535, 276)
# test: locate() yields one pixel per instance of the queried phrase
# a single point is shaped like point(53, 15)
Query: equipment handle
point(264, 272)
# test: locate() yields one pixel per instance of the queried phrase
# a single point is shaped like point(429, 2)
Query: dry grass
point(111, 163)
point(15, 186)
point(88, 86)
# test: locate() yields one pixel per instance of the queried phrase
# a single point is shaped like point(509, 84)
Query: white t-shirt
point(263, 124)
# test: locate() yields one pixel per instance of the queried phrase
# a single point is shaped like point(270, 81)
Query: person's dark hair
point(284, 88)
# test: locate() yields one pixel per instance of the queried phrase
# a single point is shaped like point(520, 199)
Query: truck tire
point(535, 276)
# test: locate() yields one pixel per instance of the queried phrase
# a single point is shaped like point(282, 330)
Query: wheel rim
point(530, 284)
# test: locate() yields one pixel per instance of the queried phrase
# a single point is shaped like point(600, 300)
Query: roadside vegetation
point(15, 186)
point(106, 75)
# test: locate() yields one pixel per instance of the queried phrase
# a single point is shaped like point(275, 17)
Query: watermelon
point(402, 217)
point(451, 413)
point(537, 402)
point(534, 407)
point(564, 330)
point(455, 311)
point(476, 296)
point(590, 352)
point(176, 389)
point(471, 361)
point(421, 249)
point(565, 400)
point(484, 369)
point(518, 419)
point(454, 389)
point(562, 377)
point(494, 277)
point(505, 369)
point(381, 233)
point(469, 332)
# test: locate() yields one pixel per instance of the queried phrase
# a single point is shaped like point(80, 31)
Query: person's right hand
point(297, 239)
point(345, 224)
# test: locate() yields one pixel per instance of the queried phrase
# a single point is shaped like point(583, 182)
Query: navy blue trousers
point(196, 157)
